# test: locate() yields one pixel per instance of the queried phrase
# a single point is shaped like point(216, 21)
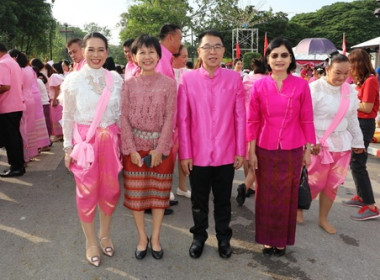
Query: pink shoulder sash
point(83, 152)
point(342, 111)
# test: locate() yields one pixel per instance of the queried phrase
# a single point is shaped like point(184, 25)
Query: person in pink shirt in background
point(179, 67)
point(211, 123)
point(247, 188)
point(11, 108)
point(74, 48)
point(170, 37)
point(279, 127)
point(131, 69)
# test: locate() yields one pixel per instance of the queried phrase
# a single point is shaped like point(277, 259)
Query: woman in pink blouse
point(279, 126)
point(148, 106)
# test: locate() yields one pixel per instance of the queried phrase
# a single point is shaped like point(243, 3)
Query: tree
point(147, 16)
point(94, 27)
point(356, 19)
point(26, 25)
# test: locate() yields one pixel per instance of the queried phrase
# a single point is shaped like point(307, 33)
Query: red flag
point(265, 43)
point(237, 50)
point(344, 50)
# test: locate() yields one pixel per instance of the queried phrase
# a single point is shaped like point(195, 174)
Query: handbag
point(304, 194)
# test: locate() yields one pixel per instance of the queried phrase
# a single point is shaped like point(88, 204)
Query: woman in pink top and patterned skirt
point(148, 106)
point(280, 130)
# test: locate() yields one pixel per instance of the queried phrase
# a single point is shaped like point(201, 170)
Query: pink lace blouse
point(148, 105)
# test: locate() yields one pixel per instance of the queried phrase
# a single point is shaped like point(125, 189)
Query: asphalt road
point(40, 237)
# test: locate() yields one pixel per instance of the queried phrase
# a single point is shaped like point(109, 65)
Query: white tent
point(375, 42)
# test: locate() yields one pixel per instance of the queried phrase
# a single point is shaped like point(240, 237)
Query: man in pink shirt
point(170, 39)
point(11, 108)
point(131, 69)
point(74, 48)
point(211, 123)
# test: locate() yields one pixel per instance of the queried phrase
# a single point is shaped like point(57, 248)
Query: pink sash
point(342, 111)
point(83, 152)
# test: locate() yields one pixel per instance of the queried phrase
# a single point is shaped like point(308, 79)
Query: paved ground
point(40, 237)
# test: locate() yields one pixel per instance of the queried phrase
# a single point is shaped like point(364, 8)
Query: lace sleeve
point(118, 84)
point(127, 143)
point(69, 108)
point(353, 125)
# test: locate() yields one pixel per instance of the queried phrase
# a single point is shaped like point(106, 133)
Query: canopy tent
point(375, 42)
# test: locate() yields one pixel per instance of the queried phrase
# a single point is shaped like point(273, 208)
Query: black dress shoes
point(196, 249)
point(268, 251)
point(141, 254)
point(241, 194)
point(13, 173)
point(279, 252)
point(249, 192)
point(224, 249)
point(173, 202)
point(156, 254)
point(167, 211)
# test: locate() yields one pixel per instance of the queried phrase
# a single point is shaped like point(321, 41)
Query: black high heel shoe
point(156, 254)
point(279, 252)
point(141, 254)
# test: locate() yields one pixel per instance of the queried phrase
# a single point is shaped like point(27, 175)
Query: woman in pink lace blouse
point(147, 120)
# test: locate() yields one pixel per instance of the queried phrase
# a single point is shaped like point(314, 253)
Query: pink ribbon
point(342, 111)
point(83, 152)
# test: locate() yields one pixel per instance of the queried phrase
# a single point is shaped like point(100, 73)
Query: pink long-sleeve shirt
point(164, 65)
point(280, 119)
point(211, 117)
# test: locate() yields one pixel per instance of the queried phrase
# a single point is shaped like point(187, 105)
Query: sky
point(107, 12)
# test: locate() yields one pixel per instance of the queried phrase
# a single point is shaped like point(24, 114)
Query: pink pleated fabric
point(99, 184)
point(327, 178)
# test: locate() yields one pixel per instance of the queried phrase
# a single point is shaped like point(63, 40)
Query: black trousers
point(358, 163)
point(218, 179)
point(11, 138)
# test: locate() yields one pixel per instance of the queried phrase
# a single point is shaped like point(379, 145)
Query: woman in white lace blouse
point(330, 159)
point(92, 140)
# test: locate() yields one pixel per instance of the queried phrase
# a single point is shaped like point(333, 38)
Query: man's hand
point(239, 160)
point(187, 166)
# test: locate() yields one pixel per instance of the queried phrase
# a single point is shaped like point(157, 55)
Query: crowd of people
point(214, 120)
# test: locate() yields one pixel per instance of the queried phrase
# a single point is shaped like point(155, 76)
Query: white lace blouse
point(326, 100)
point(80, 94)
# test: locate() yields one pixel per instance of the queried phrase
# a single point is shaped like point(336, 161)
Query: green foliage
point(94, 27)
point(247, 58)
point(116, 52)
point(147, 16)
point(355, 18)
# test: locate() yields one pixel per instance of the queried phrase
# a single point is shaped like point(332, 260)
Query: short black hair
point(276, 43)
point(3, 48)
point(336, 57)
point(109, 64)
point(74, 41)
point(148, 41)
point(58, 67)
point(167, 29)
point(36, 63)
point(258, 65)
point(21, 58)
point(128, 43)
point(214, 33)
point(236, 60)
point(95, 35)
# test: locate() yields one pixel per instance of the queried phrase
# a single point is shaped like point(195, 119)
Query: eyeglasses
point(217, 47)
point(283, 55)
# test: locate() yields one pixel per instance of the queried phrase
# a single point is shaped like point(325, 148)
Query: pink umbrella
point(315, 46)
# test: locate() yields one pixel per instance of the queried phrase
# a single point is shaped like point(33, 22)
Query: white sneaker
point(172, 197)
point(185, 194)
